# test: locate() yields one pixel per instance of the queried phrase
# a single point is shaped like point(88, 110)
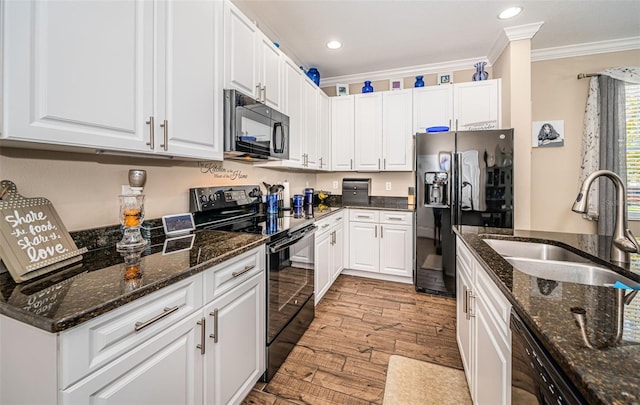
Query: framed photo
point(547, 134)
point(445, 78)
point(178, 224)
point(342, 89)
point(396, 84)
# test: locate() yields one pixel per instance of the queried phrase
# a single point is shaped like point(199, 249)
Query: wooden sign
point(33, 239)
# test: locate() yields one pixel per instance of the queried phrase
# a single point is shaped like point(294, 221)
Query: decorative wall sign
point(33, 239)
point(547, 133)
point(220, 172)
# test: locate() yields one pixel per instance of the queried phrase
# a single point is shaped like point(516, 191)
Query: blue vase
point(419, 82)
point(314, 75)
point(480, 74)
point(367, 88)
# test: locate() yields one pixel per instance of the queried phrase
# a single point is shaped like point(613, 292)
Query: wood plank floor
point(359, 324)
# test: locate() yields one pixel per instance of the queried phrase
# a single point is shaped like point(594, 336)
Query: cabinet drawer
point(225, 276)
point(103, 339)
point(323, 225)
point(363, 216)
point(464, 257)
point(396, 217)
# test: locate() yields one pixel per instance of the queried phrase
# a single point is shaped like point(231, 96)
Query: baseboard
point(378, 276)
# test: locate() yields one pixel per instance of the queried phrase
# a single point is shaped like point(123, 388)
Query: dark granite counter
point(609, 374)
point(376, 203)
point(99, 282)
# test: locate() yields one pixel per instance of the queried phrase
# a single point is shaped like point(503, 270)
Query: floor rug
point(415, 382)
point(432, 262)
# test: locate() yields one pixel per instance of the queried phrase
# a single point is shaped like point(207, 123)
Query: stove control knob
point(203, 198)
point(212, 197)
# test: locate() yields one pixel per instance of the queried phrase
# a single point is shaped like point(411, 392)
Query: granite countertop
point(607, 375)
point(97, 284)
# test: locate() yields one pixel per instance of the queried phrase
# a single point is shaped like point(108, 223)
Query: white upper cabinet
point(476, 105)
point(432, 107)
point(462, 106)
point(342, 133)
point(190, 86)
point(293, 108)
point(397, 136)
point(78, 73)
point(253, 64)
point(324, 131)
point(128, 75)
point(368, 132)
point(311, 122)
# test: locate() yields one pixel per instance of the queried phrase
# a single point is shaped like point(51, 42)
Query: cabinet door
point(464, 331)
point(240, 51)
point(79, 73)
point(323, 265)
point(338, 259)
point(396, 250)
point(190, 93)
point(310, 131)
point(236, 342)
point(293, 108)
point(368, 131)
point(477, 105)
point(270, 75)
point(432, 107)
point(492, 363)
point(324, 134)
point(364, 246)
point(167, 369)
point(342, 133)
point(397, 136)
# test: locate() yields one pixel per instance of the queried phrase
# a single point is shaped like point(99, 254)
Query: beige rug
point(432, 262)
point(414, 382)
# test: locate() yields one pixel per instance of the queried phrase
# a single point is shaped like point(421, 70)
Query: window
point(633, 150)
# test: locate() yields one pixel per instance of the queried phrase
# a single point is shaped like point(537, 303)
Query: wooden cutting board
point(33, 239)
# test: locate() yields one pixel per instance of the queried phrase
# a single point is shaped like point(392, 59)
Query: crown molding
point(526, 31)
point(591, 48)
point(462, 64)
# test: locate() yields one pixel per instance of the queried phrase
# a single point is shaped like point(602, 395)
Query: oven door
point(290, 285)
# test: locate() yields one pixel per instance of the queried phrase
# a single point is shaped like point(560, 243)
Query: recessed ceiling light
point(334, 44)
point(510, 12)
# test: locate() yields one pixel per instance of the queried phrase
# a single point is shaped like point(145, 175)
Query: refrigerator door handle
point(456, 211)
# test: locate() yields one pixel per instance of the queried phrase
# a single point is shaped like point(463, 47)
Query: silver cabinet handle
point(469, 309)
point(364, 216)
point(258, 91)
point(141, 325)
point(264, 93)
point(384, 163)
point(246, 269)
point(375, 231)
point(203, 335)
point(152, 139)
point(381, 232)
point(321, 163)
point(378, 163)
point(165, 126)
point(465, 301)
point(395, 218)
point(334, 238)
point(325, 225)
point(214, 335)
point(350, 164)
point(456, 124)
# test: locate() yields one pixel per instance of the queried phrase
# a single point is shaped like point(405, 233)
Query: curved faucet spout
point(623, 242)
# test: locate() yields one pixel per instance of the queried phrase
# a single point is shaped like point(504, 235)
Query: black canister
point(308, 196)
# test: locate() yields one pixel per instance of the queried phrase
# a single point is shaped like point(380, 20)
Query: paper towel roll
point(286, 204)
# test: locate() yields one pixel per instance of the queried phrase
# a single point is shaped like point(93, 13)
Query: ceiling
point(382, 35)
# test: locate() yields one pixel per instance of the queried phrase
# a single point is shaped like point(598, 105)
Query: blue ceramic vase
point(314, 75)
point(419, 82)
point(367, 88)
point(480, 74)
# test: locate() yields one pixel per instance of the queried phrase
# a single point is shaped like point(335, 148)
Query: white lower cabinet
point(483, 333)
point(198, 341)
point(329, 252)
point(381, 242)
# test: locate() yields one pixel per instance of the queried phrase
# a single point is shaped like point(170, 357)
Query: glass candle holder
point(131, 217)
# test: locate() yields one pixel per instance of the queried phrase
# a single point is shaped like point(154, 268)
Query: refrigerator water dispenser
point(436, 189)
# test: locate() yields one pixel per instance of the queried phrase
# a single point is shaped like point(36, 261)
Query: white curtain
point(591, 130)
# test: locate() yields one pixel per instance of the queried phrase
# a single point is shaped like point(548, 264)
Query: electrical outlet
point(335, 185)
point(126, 189)
point(387, 186)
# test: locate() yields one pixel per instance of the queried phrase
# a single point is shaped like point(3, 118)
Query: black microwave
point(252, 130)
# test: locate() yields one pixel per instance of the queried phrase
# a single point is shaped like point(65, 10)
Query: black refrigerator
point(462, 178)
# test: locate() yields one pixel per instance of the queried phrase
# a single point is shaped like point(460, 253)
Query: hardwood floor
point(359, 324)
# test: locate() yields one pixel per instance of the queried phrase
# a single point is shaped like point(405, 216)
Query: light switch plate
point(335, 185)
point(387, 186)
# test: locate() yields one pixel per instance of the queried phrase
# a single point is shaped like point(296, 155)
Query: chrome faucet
point(623, 242)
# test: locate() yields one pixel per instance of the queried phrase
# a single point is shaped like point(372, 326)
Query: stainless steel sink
point(573, 272)
point(533, 250)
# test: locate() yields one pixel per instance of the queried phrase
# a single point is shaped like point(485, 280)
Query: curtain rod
point(584, 75)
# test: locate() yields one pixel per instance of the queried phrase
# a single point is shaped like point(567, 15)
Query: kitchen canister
point(272, 203)
point(308, 196)
point(297, 200)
